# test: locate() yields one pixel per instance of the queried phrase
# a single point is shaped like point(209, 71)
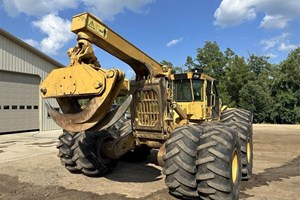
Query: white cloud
point(287, 47)
point(280, 43)
point(274, 22)
point(174, 42)
point(32, 43)
point(271, 55)
point(57, 31)
point(275, 41)
point(107, 9)
point(37, 7)
point(278, 13)
point(233, 12)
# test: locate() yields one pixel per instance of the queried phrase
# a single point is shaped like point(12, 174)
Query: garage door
point(19, 102)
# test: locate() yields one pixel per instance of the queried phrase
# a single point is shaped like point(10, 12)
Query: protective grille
point(147, 108)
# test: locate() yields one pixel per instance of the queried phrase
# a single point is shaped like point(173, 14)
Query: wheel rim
point(248, 152)
point(100, 155)
point(234, 167)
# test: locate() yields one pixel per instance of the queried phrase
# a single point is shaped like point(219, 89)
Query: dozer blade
point(76, 119)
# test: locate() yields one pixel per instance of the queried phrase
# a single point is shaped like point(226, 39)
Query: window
point(14, 107)
point(28, 107)
point(35, 107)
point(21, 107)
point(6, 107)
point(182, 90)
point(198, 90)
point(208, 93)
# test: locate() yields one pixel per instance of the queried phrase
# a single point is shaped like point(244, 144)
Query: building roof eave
point(30, 48)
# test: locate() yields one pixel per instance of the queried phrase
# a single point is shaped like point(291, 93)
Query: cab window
point(198, 90)
point(182, 90)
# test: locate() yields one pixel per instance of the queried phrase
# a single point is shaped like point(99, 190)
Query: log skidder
point(167, 111)
point(203, 161)
point(243, 124)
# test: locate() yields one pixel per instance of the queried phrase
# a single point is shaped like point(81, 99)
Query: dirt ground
point(29, 169)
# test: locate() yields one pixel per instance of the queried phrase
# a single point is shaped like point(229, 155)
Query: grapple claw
point(75, 118)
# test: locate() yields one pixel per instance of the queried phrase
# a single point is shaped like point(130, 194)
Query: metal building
point(22, 68)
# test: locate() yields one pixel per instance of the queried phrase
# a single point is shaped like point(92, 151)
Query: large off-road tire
point(140, 153)
point(115, 130)
point(218, 163)
point(243, 119)
point(81, 152)
point(237, 115)
point(87, 153)
point(180, 161)
point(66, 141)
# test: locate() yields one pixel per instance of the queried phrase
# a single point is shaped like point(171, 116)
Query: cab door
point(215, 102)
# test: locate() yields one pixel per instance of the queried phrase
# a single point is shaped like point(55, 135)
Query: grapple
point(84, 91)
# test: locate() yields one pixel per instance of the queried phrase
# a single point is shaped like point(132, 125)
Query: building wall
point(17, 56)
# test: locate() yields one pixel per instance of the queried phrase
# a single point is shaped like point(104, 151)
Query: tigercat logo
point(97, 28)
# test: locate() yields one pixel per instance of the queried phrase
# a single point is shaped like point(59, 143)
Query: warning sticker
point(96, 27)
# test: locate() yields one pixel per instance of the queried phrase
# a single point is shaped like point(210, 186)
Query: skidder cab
point(196, 93)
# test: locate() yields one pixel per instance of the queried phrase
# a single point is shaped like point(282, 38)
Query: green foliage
point(211, 59)
point(119, 100)
point(236, 76)
point(286, 89)
point(175, 69)
point(189, 63)
point(257, 99)
point(258, 64)
point(164, 62)
point(271, 92)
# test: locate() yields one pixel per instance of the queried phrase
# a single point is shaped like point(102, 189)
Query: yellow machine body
point(161, 101)
point(157, 107)
point(167, 111)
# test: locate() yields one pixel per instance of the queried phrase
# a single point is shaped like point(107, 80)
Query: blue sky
point(164, 29)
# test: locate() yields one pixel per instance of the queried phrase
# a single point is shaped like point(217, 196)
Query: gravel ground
point(31, 170)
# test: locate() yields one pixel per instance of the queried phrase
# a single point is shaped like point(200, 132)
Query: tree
point(164, 62)
point(285, 89)
point(258, 64)
point(271, 92)
point(211, 59)
point(257, 99)
point(229, 55)
point(237, 74)
point(175, 69)
point(189, 63)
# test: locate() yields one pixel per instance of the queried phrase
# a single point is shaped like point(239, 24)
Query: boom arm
point(105, 38)
point(84, 78)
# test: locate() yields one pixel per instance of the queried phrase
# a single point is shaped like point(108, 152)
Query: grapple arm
point(108, 40)
point(84, 79)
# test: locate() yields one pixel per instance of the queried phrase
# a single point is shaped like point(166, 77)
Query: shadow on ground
point(137, 170)
point(290, 169)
